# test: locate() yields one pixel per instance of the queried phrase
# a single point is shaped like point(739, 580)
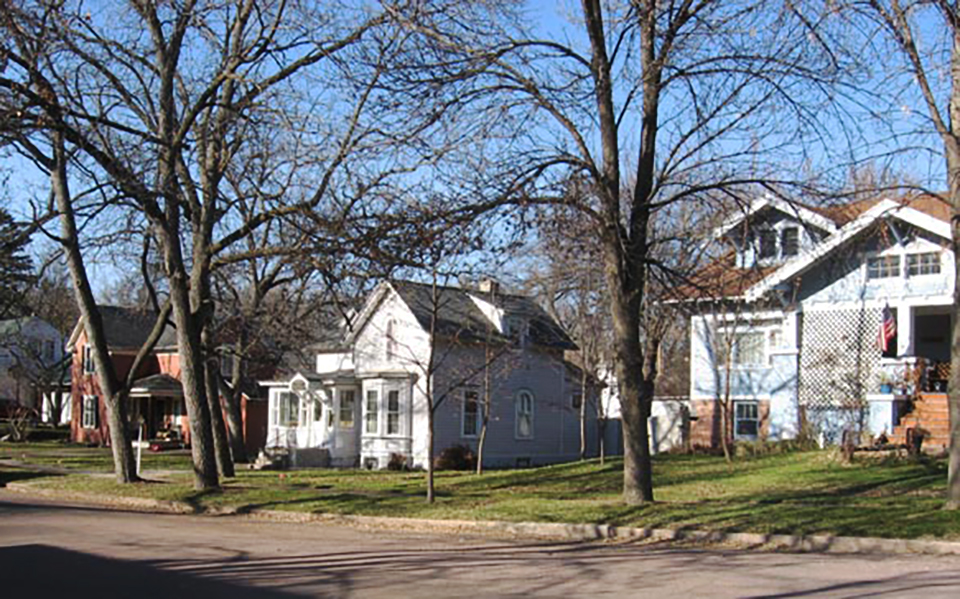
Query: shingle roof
point(459, 316)
point(722, 279)
point(842, 214)
point(128, 328)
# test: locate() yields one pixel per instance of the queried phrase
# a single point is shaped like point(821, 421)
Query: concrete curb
point(551, 531)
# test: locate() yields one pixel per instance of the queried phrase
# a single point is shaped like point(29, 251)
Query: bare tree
point(167, 115)
point(922, 41)
point(687, 88)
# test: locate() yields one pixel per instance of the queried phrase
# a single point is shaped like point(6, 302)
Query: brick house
point(156, 396)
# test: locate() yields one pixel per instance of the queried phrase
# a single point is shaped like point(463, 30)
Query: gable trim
point(802, 214)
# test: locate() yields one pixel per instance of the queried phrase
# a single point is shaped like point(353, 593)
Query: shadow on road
point(43, 571)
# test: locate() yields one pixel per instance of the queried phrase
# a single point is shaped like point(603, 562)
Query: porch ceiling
point(157, 384)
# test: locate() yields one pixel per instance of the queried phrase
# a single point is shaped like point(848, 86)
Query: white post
point(139, 447)
point(905, 345)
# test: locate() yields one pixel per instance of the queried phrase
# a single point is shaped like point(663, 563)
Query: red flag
point(888, 328)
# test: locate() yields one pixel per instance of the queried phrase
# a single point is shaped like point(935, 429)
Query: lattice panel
point(839, 355)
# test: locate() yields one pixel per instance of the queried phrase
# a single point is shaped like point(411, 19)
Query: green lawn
point(799, 493)
point(93, 459)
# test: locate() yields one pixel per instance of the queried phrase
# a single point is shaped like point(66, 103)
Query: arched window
point(392, 346)
point(524, 412)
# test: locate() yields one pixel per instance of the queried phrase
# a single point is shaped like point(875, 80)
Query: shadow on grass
point(20, 475)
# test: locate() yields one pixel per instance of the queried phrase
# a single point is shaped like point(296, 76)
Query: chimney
point(489, 285)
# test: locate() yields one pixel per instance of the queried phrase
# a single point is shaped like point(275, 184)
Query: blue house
point(828, 319)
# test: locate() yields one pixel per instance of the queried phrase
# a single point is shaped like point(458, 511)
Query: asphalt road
point(55, 550)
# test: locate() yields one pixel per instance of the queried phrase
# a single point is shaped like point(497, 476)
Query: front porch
point(910, 394)
point(156, 404)
point(340, 419)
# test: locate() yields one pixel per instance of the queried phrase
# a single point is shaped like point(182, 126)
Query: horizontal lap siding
point(556, 424)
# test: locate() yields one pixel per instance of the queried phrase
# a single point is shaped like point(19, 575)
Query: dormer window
point(515, 328)
point(768, 244)
point(789, 242)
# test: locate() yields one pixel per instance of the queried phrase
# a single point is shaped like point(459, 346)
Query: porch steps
point(929, 414)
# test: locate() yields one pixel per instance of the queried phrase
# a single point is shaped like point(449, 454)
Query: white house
point(366, 400)
point(32, 366)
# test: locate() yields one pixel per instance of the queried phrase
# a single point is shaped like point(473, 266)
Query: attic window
point(790, 241)
point(88, 365)
point(923, 264)
point(883, 267)
point(768, 244)
point(392, 345)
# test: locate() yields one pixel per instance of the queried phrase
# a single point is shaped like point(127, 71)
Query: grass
point(798, 493)
point(92, 459)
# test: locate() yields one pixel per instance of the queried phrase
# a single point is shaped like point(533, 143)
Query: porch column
point(905, 346)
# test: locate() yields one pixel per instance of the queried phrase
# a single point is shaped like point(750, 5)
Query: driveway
point(50, 549)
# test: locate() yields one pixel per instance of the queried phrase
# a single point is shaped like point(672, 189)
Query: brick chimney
point(489, 285)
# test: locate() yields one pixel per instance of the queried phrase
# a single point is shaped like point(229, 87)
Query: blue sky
point(901, 107)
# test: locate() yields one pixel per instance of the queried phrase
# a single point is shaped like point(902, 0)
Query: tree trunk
point(430, 488)
point(485, 414)
point(602, 440)
point(234, 410)
point(953, 387)
point(725, 407)
point(212, 382)
point(238, 448)
point(583, 410)
point(480, 443)
point(192, 379)
point(634, 403)
point(124, 464)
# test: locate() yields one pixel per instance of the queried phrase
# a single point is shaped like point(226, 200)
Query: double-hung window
point(393, 412)
point(470, 427)
point(88, 366)
point(748, 349)
point(789, 242)
point(746, 419)
point(347, 406)
point(89, 414)
point(524, 415)
point(371, 419)
point(287, 409)
point(768, 244)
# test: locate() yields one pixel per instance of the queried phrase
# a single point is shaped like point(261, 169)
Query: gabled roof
point(13, 327)
point(128, 329)
point(925, 212)
point(820, 219)
point(458, 315)
point(722, 278)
